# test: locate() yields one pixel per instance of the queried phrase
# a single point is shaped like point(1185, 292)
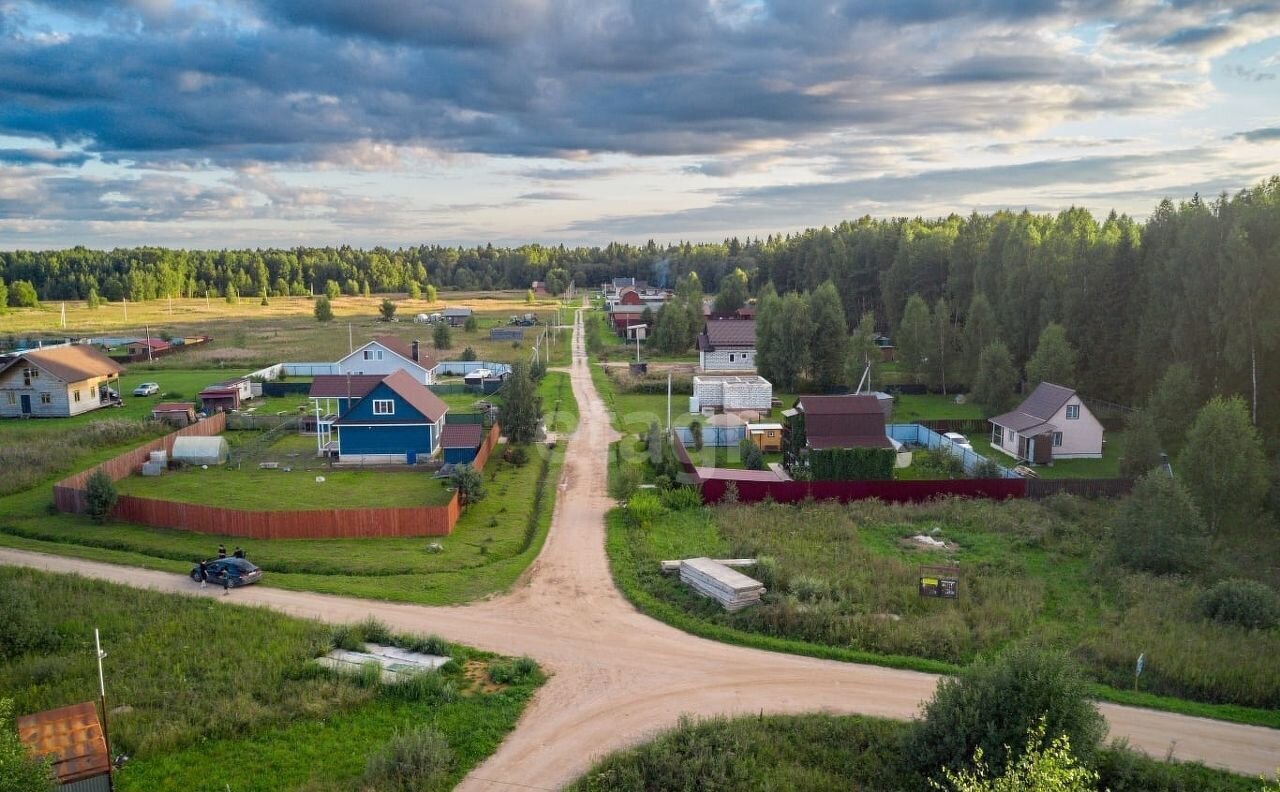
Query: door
point(26, 404)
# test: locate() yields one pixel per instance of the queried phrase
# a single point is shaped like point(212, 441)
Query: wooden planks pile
point(732, 589)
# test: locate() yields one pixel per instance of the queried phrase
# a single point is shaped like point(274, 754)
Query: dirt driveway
point(619, 677)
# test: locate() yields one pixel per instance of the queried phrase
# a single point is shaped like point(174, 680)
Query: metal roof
point(73, 738)
point(339, 386)
point(1035, 410)
point(728, 333)
point(461, 435)
point(852, 421)
point(72, 363)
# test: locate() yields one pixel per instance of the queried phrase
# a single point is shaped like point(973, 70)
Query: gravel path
point(618, 677)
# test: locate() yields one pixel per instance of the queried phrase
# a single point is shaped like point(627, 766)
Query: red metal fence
point(68, 496)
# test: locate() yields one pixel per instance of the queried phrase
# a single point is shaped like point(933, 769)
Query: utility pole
point(350, 346)
point(126, 308)
point(150, 357)
point(668, 400)
point(102, 694)
point(64, 327)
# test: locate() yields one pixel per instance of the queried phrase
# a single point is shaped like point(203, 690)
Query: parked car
point(959, 440)
point(147, 389)
point(239, 571)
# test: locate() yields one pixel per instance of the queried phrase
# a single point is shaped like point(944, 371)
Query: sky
point(247, 123)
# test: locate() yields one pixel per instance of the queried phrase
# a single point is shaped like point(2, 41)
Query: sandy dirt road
point(618, 677)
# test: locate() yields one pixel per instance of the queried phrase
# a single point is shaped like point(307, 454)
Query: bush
point(517, 455)
point(681, 498)
point(374, 631)
point(100, 496)
point(644, 507)
point(1158, 529)
point(19, 771)
point(414, 761)
point(1247, 603)
point(512, 672)
point(624, 482)
point(752, 458)
point(993, 704)
point(324, 309)
point(469, 483)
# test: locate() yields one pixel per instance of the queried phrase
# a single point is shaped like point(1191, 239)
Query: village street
point(617, 676)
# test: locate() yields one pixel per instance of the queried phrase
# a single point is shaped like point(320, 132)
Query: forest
point(1196, 283)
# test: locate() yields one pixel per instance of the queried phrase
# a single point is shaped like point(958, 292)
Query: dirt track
point(619, 676)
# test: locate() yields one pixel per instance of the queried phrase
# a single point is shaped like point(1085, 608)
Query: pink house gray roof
point(1036, 410)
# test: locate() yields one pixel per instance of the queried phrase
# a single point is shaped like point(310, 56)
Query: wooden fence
point(69, 496)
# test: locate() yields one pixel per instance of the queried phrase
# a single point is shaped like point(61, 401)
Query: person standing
point(239, 553)
point(222, 551)
point(204, 574)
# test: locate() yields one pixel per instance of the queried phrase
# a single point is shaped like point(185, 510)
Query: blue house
point(398, 420)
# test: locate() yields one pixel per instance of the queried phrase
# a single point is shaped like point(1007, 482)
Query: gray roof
point(1036, 410)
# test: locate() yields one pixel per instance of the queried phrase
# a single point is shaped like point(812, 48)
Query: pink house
point(1052, 423)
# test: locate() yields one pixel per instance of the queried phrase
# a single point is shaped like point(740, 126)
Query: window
point(12, 397)
point(29, 374)
point(1057, 439)
point(46, 398)
point(1010, 435)
point(77, 395)
point(384, 407)
point(373, 354)
point(769, 433)
point(730, 357)
point(1073, 412)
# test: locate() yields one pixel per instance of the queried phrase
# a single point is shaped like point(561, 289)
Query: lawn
point(212, 696)
point(842, 583)
point(255, 489)
point(493, 542)
point(816, 753)
point(1106, 467)
point(932, 407)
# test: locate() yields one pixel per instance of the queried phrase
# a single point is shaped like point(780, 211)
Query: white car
point(959, 440)
point(147, 389)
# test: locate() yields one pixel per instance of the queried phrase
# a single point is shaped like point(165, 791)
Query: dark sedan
point(232, 572)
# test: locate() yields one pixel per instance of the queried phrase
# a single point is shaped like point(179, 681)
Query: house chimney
point(415, 350)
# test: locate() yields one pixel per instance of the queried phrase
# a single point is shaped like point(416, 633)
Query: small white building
point(731, 393)
point(386, 355)
point(727, 345)
point(1052, 423)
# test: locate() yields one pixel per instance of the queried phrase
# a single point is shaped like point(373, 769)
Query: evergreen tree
point(980, 329)
point(1141, 449)
point(996, 378)
point(232, 294)
point(471, 324)
point(914, 341)
point(430, 293)
point(100, 496)
point(795, 332)
point(829, 337)
point(768, 333)
point(733, 293)
point(1223, 464)
point(468, 483)
point(364, 289)
point(387, 309)
point(1158, 528)
point(323, 309)
point(1173, 406)
point(521, 407)
point(442, 336)
point(1054, 360)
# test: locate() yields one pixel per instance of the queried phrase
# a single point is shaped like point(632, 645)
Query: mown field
point(842, 582)
point(211, 696)
point(817, 753)
point(494, 541)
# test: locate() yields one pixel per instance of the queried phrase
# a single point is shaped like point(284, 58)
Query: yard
point(1106, 467)
point(842, 583)
point(212, 696)
point(493, 542)
point(932, 407)
point(293, 485)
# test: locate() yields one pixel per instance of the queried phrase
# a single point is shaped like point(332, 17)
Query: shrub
point(681, 498)
point(517, 455)
point(1158, 529)
point(468, 482)
point(1247, 603)
point(424, 686)
point(414, 761)
point(624, 482)
point(752, 458)
point(468, 354)
point(695, 434)
point(808, 589)
point(387, 309)
point(324, 309)
point(344, 636)
point(512, 672)
point(1044, 765)
point(19, 771)
point(100, 495)
point(643, 508)
point(992, 704)
point(374, 631)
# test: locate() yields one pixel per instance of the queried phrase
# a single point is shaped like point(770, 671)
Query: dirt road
point(619, 676)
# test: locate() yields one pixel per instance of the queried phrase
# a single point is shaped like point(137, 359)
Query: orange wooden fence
point(69, 496)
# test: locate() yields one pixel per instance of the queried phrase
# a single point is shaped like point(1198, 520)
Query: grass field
point(492, 543)
point(212, 696)
point(1106, 467)
point(842, 583)
point(816, 753)
point(932, 407)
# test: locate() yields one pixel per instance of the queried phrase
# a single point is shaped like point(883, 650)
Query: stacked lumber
point(669, 567)
point(732, 589)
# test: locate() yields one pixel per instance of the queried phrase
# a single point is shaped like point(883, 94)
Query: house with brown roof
point(829, 422)
point(1052, 423)
point(727, 345)
point(387, 354)
point(398, 420)
point(57, 382)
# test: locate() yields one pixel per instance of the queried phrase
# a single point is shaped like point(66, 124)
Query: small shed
point(226, 395)
point(177, 413)
point(72, 737)
point(766, 436)
point(474, 379)
point(200, 450)
point(457, 317)
point(461, 442)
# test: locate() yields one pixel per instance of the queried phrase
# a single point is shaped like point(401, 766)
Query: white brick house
point(727, 345)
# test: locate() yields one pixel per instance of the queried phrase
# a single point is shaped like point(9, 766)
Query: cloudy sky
point(214, 123)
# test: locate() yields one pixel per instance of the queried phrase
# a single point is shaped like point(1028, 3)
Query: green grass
point(1106, 467)
point(253, 489)
point(933, 406)
point(206, 694)
point(490, 547)
point(839, 575)
point(815, 753)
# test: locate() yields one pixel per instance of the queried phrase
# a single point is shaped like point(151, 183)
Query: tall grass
point(26, 459)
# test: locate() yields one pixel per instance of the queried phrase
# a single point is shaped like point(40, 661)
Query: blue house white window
point(1073, 412)
point(373, 354)
point(384, 407)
